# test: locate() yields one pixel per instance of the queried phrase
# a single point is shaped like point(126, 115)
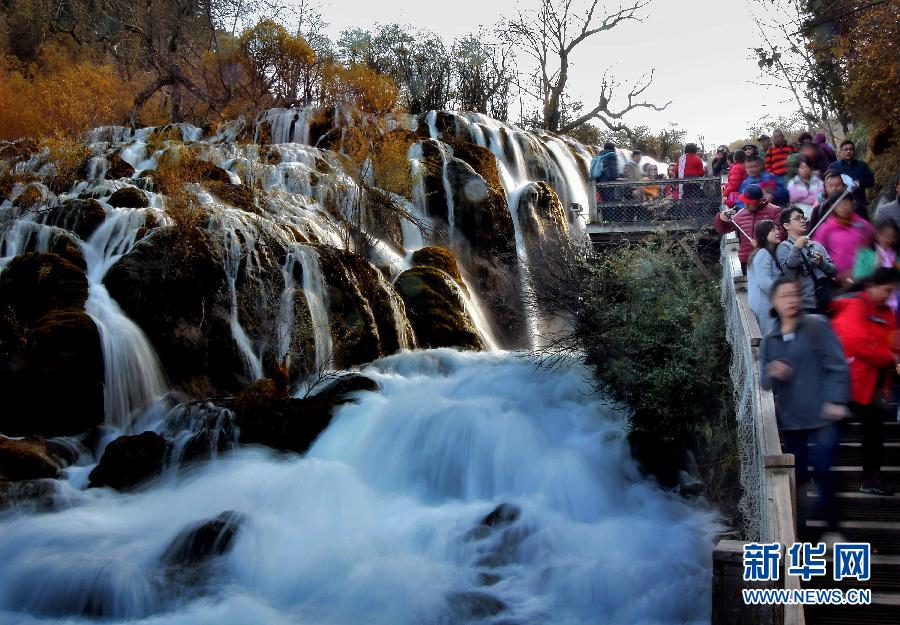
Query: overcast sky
point(700, 49)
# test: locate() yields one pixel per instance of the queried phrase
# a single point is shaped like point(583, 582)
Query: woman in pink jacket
point(842, 234)
point(806, 189)
point(736, 176)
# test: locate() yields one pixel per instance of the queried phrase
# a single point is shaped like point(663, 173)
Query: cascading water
point(471, 488)
point(134, 378)
point(314, 290)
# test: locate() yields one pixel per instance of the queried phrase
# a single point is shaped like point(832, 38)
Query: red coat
point(867, 334)
point(776, 159)
point(690, 166)
point(747, 220)
point(736, 176)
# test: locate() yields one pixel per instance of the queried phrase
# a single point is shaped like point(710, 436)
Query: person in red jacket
point(866, 328)
point(777, 156)
point(736, 176)
point(755, 210)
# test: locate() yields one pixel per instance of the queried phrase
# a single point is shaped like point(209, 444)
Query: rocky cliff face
point(187, 265)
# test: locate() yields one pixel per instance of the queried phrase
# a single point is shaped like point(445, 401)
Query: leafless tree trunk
point(551, 35)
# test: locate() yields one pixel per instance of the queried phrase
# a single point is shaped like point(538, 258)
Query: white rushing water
point(381, 522)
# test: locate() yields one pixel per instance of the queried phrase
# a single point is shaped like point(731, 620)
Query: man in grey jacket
point(802, 362)
point(801, 258)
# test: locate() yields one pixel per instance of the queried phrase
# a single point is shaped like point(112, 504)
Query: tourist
point(744, 221)
point(632, 169)
point(843, 233)
point(672, 190)
point(866, 327)
point(691, 166)
point(762, 272)
point(827, 148)
point(891, 209)
point(802, 363)
point(720, 161)
point(764, 143)
point(834, 186)
point(736, 176)
point(750, 150)
point(816, 156)
point(756, 175)
point(651, 191)
point(605, 168)
point(882, 254)
point(805, 189)
point(859, 171)
point(805, 261)
point(777, 154)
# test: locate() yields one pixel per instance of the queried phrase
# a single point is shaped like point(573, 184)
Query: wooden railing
point(767, 473)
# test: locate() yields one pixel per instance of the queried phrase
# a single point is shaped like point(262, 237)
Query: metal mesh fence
point(694, 199)
point(746, 402)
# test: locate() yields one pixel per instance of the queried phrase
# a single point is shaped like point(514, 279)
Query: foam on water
point(379, 524)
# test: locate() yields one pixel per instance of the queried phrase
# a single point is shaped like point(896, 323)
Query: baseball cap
point(753, 193)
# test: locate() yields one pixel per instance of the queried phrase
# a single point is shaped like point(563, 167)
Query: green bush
point(652, 326)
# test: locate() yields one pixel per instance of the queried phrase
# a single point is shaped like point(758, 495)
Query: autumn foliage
point(55, 96)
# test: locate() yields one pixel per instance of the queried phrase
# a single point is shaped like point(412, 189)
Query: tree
point(417, 61)
point(278, 62)
point(789, 63)
point(482, 73)
point(550, 36)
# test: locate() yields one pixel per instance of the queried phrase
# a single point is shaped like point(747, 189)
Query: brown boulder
point(183, 305)
point(118, 168)
point(266, 417)
point(82, 217)
point(436, 309)
point(33, 285)
point(130, 461)
point(128, 197)
point(439, 258)
point(62, 349)
point(26, 459)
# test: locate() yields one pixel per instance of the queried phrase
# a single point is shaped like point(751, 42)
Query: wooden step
point(850, 478)
point(850, 454)
point(884, 536)
point(885, 576)
point(885, 610)
point(860, 507)
point(853, 432)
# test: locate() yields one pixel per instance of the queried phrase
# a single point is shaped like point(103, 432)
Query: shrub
point(58, 97)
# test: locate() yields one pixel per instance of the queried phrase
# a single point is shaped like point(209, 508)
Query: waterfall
point(316, 299)
point(472, 488)
point(133, 375)
point(234, 231)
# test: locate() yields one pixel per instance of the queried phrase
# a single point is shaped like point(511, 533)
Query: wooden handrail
point(777, 468)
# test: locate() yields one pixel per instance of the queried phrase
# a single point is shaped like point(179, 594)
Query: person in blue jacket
point(858, 170)
point(756, 175)
point(605, 168)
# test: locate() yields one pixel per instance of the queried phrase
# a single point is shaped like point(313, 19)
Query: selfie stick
point(851, 186)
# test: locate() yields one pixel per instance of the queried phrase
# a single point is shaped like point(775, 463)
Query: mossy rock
point(237, 195)
point(266, 416)
point(20, 150)
point(481, 160)
point(361, 308)
point(439, 258)
point(26, 459)
point(51, 376)
point(30, 198)
point(436, 309)
point(33, 285)
point(129, 461)
point(118, 168)
point(128, 197)
point(173, 285)
point(81, 216)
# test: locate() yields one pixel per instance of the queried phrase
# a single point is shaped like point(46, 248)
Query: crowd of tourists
point(822, 270)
